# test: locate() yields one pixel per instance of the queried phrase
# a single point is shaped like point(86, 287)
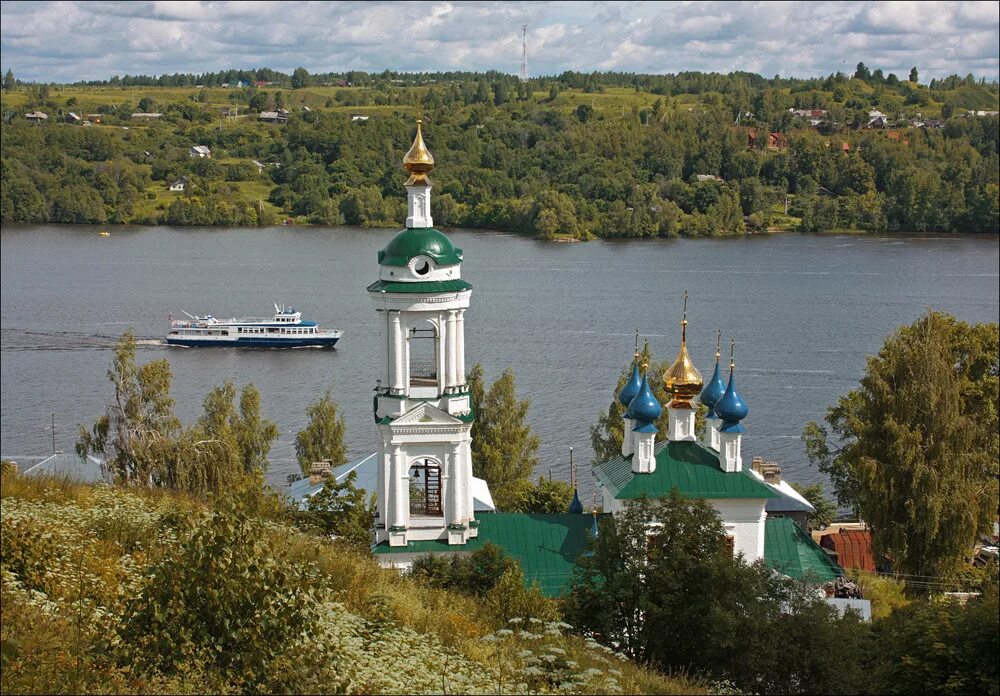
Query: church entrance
point(425, 488)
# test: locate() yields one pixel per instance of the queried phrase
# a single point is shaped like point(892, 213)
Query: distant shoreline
point(311, 226)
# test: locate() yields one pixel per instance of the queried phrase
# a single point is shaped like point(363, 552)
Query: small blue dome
point(644, 407)
point(712, 392)
point(631, 387)
point(575, 507)
point(731, 408)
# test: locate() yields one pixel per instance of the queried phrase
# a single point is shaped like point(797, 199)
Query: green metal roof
point(791, 551)
point(546, 546)
point(420, 241)
point(689, 467)
point(420, 286)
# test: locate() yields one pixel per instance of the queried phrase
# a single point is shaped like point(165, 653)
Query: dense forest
point(573, 156)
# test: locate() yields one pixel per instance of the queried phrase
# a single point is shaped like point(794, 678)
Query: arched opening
point(425, 488)
point(423, 357)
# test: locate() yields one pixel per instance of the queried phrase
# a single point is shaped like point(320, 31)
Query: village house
point(146, 115)
point(976, 113)
point(272, 117)
point(178, 186)
point(777, 141)
point(73, 118)
point(259, 165)
point(358, 117)
point(36, 116)
point(94, 118)
point(876, 119)
point(199, 151)
point(814, 116)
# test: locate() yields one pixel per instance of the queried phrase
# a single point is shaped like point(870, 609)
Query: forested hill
point(578, 155)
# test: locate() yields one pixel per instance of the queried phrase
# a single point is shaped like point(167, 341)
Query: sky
point(67, 41)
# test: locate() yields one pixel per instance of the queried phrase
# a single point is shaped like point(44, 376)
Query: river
point(804, 311)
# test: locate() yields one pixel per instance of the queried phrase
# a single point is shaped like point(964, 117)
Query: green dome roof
point(420, 241)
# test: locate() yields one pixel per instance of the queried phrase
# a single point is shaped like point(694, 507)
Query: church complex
point(427, 498)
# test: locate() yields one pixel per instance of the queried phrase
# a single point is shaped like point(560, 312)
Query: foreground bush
point(153, 592)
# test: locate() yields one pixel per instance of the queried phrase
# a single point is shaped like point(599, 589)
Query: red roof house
point(851, 548)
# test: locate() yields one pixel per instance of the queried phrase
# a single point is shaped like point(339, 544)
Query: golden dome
point(418, 161)
point(682, 379)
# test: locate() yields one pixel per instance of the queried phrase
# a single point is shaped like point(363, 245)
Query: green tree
point(937, 647)
point(340, 509)
point(914, 75)
point(826, 509)
point(300, 78)
point(547, 496)
point(9, 83)
point(503, 446)
point(323, 437)
point(139, 425)
point(918, 454)
point(659, 585)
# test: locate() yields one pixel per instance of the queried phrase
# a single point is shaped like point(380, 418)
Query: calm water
point(804, 312)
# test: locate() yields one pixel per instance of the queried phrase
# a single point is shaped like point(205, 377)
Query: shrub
point(222, 600)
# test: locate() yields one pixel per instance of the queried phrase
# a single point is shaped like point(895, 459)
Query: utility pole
point(524, 53)
point(572, 469)
point(53, 433)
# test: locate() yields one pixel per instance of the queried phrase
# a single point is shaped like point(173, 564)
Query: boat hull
point(255, 342)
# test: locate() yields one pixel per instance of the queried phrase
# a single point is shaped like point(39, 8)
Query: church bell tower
point(422, 407)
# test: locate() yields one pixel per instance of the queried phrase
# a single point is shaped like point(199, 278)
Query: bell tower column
point(460, 348)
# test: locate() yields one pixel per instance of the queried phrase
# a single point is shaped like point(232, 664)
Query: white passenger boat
point(285, 330)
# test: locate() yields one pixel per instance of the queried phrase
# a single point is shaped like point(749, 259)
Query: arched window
point(425, 488)
point(423, 357)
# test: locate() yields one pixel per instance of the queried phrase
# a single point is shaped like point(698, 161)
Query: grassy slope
point(100, 539)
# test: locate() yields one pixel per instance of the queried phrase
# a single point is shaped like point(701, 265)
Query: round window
point(421, 267)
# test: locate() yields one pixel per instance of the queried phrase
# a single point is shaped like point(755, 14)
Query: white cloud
point(68, 41)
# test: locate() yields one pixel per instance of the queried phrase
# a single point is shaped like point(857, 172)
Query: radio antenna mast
point(524, 53)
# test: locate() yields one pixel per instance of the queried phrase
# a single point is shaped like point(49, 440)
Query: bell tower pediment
point(425, 413)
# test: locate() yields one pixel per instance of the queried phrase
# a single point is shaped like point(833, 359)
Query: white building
point(711, 469)
point(422, 403)
point(199, 151)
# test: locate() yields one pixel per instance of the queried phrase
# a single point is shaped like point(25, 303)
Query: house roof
point(689, 467)
point(71, 466)
point(853, 548)
point(546, 546)
point(792, 552)
point(789, 500)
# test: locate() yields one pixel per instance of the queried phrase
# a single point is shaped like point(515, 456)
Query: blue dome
point(644, 407)
point(731, 408)
point(575, 507)
point(712, 392)
point(631, 387)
